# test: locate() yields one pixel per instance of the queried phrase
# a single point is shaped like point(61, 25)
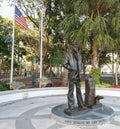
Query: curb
point(7, 96)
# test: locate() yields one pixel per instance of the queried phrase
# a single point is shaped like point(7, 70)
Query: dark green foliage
point(4, 86)
point(104, 58)
point(56, 53)
point(5, 29)
point(57, 58)
point(94, 22)
point(5, 47)
point(53, 19)
point(96, 74)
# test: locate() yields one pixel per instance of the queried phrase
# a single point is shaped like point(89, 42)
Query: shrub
point(44, 81)
point(4, 86)
point(96, 74)
point(17, 85)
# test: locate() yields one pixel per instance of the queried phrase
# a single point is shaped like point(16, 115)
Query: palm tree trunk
point(95, 58)
point(45, 51)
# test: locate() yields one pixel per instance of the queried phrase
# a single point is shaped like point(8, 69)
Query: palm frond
point(87, 26)
point(116, 24)
point(110, 3)
point(105, 41)
point(68, 23)
point(81, 7)
point(100, 24)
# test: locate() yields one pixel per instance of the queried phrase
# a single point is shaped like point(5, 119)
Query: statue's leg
point(79, 95)
point(71, 96)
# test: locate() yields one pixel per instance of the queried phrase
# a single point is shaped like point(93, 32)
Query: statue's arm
point(66, 63)
point(80, 62)
point(80, 65)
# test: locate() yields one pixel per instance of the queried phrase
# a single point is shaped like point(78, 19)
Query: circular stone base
point(91, 117)
point(75, 112)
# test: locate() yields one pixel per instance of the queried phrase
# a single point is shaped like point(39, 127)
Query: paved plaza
point(35, 113)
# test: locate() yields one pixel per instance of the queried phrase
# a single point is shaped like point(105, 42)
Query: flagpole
point(41, 45)
point(13, 40)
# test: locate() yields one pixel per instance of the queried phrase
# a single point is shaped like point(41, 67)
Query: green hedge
point(4, 86)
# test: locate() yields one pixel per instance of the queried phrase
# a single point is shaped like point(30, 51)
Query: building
point(1, 1)
point(6, 11)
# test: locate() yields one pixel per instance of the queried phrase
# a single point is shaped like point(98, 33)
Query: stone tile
point(7, 124)
point(44, 111)
point(35, 113)
point(108, 126)
point(43, 123)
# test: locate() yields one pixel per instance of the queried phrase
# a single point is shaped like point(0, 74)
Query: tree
point(4, 46)
point(52, 16)
point(32, 9)
point(92, 23)
point(89, 22)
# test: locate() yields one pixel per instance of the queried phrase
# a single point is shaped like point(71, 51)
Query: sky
point(7, 11)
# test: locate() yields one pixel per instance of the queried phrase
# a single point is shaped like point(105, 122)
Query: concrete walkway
point(34, 112)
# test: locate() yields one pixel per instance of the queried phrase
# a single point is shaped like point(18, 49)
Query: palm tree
point(93, 23)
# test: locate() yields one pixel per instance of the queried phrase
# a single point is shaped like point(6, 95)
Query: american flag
point(20, 19)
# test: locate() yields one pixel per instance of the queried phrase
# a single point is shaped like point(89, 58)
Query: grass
point(102, 85)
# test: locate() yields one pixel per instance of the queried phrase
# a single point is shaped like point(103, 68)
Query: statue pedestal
point(87, 117)
point(74, 112)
